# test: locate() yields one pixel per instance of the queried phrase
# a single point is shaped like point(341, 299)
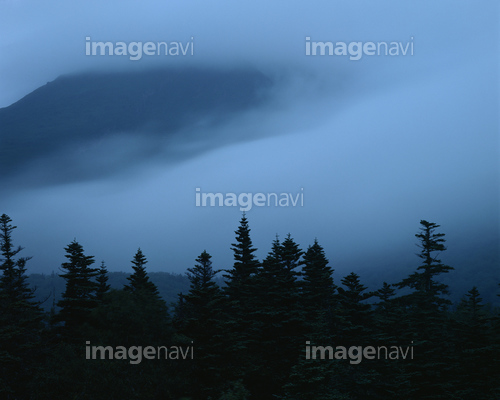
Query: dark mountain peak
point(83, 108)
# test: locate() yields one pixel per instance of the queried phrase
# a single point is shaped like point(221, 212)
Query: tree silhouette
point(79, 298)
point(20, 318)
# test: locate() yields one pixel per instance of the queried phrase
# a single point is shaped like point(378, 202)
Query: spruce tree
point(20, 318)
point(426, 321)
point(13, 279)
point(139, 280)
point(281, 333)
point(388, 315)
point(318, 290)
point(241, 295)
point(474, 350)
point(202, 274)
point(389, 328)
point(428, 290)
point(353, 326)
point(79, 298)
point(353, 314)
point(240, 278)
point(102, 282)
point(311, 378)
point(202, 315)
point(147, 297)
point(291, 255)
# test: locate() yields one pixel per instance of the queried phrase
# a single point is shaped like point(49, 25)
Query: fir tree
point(291, 255)
point(102, 282)
point(310, 378)
point(387, 315)
point(281, 334)
point(147, 297)
point(318, 292)
point(13, 280)
point(20, 318)
point(423, 281)
point(427, 325)
point(353, 326)
point(241, 295)
point(475, 350)
point(389, 328)
point(202, 275)
point(354, 315)
point(79, 298)
point(139, 280)
point(202, 309)
point(240, 278)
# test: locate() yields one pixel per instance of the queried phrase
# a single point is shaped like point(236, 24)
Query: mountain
point(50, 125)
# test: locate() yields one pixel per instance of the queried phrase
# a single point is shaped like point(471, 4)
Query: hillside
point(77, 110)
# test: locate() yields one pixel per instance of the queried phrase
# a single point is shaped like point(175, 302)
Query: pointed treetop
point(13, 279)
point(245, 263)
point(102, 281)
point(201, 275)
point(139, 280)
point(317, 285)
point(430, 242)
point(291, 253)
point(385, 293)
point(7, 249)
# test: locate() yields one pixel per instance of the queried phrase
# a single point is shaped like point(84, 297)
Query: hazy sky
point(374, 144)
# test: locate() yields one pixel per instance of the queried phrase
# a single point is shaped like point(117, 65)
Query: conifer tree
point(79, 298)
point(318, 292)
point(202, 309)
point(354, 315)
point(291, 255)
point(179, 314)
point(389, 328)
point(240, 278)
point(102, 282)
point(13, 279)
point(474, 350)
point(426, 320)
point(353, 326)
point(241, 295)
point(388, 314)
point(139, 280)
point(280, 318)
point(20, 318)
point(311, 378)
point(147, 297)
point(428, 290)
point(202, 274)
point(7, 280)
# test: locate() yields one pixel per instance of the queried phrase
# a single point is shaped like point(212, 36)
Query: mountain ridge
point(78, 109)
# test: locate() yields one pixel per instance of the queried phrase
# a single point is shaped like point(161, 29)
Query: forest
point(265, 332)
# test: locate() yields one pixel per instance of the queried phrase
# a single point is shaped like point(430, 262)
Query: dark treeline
point(48, 288)
point(275, 329)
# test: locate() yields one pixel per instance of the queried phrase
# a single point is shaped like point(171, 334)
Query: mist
point(375, 145)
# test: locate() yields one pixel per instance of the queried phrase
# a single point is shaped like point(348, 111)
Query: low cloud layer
point(376, 144)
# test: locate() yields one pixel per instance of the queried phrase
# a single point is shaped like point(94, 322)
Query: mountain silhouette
point(43, 134)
